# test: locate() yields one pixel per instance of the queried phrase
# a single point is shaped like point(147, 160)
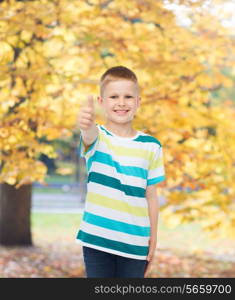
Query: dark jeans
point(103, 264)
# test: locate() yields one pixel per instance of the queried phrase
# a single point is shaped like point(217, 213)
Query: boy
point(119, 225)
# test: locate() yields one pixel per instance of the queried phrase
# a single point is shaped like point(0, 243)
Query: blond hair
point(115, 73)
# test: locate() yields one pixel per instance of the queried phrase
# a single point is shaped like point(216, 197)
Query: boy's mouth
point(121, 111)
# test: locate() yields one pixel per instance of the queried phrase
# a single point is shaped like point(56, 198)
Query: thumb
point(90, 101)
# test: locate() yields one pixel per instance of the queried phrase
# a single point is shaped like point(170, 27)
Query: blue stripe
point(106, 159)
point(155, 180)
point(116, 225)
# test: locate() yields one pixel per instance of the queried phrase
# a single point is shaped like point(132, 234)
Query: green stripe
point(116, 184)
point(148, 139)
point(111, 244)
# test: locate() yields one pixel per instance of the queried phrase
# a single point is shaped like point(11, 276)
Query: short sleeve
point(156, 170)
point(89, 151)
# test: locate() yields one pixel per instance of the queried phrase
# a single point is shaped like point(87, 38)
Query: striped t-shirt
point(115, 217)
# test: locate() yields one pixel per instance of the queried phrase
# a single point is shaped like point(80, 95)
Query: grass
point(49, 227)
point(49, 221)
point(56, 178)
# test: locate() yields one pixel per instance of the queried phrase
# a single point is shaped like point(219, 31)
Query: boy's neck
point(123, 130)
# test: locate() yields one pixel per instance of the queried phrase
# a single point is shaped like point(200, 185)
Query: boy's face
point(120, 101)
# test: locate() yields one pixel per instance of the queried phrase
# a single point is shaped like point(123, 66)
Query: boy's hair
point(115, 73)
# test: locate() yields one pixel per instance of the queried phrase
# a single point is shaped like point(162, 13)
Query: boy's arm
point(89, 135)
point(153, 210)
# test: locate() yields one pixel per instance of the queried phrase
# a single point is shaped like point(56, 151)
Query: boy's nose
point(121, 101)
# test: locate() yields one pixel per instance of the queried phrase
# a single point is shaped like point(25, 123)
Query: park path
point(57, 203)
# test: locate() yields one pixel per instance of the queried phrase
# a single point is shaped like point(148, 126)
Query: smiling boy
point(118, 230)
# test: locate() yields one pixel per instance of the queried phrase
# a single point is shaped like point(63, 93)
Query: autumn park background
point(52, 54)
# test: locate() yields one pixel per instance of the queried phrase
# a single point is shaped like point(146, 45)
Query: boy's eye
point(117, 97)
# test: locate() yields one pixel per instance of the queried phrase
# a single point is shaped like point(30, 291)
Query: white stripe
point(114, 235)
point(111, 171)
point(116, 215)
point(114, 193)
point(156, 172)
point(110, 250)
point(129, 144)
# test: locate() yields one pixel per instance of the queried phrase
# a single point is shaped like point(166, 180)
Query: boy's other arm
point(153, 209)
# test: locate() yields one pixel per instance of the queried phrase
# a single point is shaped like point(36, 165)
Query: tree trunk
point(15, 205)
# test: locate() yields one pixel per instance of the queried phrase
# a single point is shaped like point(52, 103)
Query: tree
point(52, 54)
point(15, 215)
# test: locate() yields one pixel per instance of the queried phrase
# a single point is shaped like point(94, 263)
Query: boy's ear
point(100, 100)
point(138, 101)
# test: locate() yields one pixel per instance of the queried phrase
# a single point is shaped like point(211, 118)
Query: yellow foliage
point(26, 36)
point(64, 171)
point(6, 53)
point(171, 220)
point(193, 143)
point(53, 47)
point(52, 54)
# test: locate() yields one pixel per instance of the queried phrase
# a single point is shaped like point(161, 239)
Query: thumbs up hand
point(86, 119)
